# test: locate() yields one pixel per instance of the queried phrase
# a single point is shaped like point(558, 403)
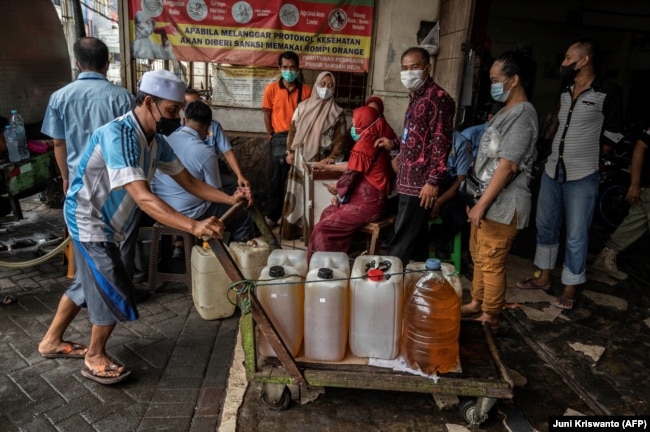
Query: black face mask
point(569, 71)
point(166, 126)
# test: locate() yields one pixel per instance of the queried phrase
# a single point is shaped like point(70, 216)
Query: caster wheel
point(468, 412)
point(276, 396)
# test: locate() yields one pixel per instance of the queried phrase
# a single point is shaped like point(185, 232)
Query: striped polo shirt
point(593, 118)
point(97, 207)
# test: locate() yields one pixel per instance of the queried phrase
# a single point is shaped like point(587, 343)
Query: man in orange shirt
point(280, 100)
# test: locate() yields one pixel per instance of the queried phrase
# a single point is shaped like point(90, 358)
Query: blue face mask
point(497, 92)
point(353, 133)
point(289, 75)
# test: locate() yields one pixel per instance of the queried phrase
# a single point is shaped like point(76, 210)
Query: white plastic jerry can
point(376, 294)
point(333, 260)
point(291, 258)
point(250, 256)
point(326, 314)
point(281, 292)
point(210, 285)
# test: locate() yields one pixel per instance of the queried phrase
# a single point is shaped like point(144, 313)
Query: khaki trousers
point(489, 246)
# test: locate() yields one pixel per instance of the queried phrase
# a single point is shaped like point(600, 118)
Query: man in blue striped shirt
point(109, 185)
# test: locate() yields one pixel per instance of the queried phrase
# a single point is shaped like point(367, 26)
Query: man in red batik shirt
point(423, 149)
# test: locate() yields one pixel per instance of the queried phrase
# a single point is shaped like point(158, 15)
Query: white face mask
point(324, 92)
point(412, 79)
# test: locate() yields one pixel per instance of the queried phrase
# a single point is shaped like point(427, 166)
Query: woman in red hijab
point(362, 189)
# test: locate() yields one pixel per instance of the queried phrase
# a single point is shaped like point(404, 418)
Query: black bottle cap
point(276, 271)
point(325, 273)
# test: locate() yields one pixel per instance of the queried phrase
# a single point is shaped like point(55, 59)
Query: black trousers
point(411, 239)
point(454, 219)
point(278, 170)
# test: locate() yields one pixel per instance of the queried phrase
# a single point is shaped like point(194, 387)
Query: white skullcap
point(163, 84)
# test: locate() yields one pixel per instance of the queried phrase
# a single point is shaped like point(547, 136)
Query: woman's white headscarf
point(316, 115)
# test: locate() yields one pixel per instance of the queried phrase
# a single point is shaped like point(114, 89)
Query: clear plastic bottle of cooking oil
point(431, 323)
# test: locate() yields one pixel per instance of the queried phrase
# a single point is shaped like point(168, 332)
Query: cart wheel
point(276, 396)
point(468, 412)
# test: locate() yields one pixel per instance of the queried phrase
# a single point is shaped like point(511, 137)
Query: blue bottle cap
point(432, 264)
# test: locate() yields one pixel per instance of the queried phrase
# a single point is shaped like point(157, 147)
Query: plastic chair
point(455, 245)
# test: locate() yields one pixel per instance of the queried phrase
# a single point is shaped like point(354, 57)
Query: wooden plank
point(265, 231)
point(268, 330)
point(397, 382)
point(247, 330)
point(259, 315)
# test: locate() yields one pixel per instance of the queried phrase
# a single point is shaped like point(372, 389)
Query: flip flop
point(8, 300)
point(93, 374)
point(529, 283)
point(67, 352)
point(560, 303)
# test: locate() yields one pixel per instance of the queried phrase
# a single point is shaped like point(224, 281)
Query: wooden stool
point(455, 245)
point(377, 230)
point(157, 276)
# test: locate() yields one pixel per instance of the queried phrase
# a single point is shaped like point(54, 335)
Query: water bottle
point(18, 124)
point(12, 146)
point(431, 323)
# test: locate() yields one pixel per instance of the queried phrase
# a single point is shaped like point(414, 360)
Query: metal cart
point(483, 379)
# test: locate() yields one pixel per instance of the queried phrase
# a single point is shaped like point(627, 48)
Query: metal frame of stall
point(484, 377)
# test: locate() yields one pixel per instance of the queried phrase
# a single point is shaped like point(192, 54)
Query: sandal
point(102, 374)
point(8, 300)
point(529, 283)
point(80, 351)
point(564, 303)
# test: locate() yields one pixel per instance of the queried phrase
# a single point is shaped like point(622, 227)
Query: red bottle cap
point(375, 275)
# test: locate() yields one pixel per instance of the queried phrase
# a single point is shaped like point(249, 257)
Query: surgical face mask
point(497, 92)
point(166, 126)
point(289, 75)
point(356, 136)
point(412, 79)
point(324, 92)
point(569, 71)
point(353, 133)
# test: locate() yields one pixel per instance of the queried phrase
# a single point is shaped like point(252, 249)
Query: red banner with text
point(326, 34)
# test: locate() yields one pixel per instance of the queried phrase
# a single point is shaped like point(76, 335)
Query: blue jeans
point(573, 201)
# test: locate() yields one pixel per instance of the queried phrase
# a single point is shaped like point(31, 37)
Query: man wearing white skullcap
point(109, 187)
